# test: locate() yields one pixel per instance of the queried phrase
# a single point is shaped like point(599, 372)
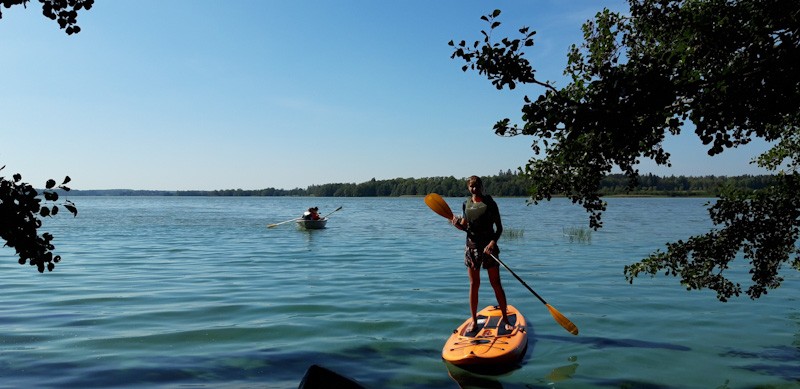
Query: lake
point(163, 292)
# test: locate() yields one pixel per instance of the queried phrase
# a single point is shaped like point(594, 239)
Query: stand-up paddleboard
point(489, 343)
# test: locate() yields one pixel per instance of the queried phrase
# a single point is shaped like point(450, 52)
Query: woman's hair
point(476, 181)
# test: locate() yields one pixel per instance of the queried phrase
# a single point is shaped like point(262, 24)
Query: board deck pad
point(493, 322)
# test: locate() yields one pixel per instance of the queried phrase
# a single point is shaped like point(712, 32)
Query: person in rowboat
point(480, 218)
point(311, 214)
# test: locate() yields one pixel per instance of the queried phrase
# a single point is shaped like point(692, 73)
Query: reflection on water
point(562, 373)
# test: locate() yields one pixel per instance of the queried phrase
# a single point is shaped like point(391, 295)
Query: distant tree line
point(705, 186)
point(504, 184)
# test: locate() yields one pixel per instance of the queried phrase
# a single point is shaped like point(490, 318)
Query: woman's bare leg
point(494, 279)
point(474, 286)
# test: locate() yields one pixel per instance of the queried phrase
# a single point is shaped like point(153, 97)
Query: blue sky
point(251, 94)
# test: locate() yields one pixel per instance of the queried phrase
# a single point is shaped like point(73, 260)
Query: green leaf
point(71, 208)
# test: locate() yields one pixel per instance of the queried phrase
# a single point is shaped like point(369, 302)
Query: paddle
point(561, 319)
point(331, 213)
point(438, 205)
point(277, 224)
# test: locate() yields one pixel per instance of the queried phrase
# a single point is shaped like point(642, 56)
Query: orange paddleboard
point(489, 343)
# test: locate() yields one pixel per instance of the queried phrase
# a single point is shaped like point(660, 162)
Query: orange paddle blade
point(562, 320)
point(438, 205)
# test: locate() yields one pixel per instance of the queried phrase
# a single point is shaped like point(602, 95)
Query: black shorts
point(474, 258)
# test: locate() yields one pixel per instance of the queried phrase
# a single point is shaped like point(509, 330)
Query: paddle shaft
point(331, 212)
point(283, 222)
point(519, 279)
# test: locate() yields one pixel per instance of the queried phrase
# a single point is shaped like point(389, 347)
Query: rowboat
point(312, 224)
point(490, 343)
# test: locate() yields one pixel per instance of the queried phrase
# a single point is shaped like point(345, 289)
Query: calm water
point(197, 292)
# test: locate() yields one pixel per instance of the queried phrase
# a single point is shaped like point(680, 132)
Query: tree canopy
point(729, 69)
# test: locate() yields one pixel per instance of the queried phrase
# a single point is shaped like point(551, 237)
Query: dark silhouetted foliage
point(21, 213)
point(64, 12)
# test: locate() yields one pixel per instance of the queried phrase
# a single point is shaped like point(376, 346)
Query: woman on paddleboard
point(480, 218)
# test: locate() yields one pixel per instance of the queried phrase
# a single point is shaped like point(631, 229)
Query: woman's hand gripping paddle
point(438, 205)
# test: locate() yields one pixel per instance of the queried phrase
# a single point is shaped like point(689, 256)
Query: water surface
point(197, 292)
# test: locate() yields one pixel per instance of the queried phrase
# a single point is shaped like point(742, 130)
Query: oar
point(561, 319)
point(284, 222)
point(438, 205)
point(331, 212)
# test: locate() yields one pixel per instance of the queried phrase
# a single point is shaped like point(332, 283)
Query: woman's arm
point(459, 222)
point(498, 230)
